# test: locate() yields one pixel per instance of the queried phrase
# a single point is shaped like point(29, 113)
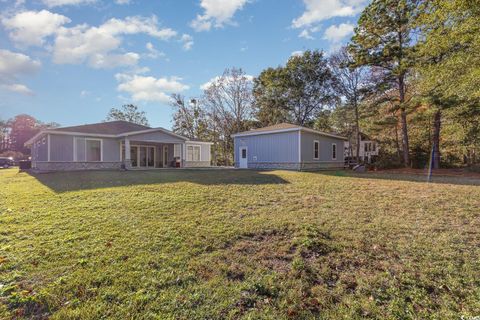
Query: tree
point(352, 85)
point(270, 98)
point(189, 119)
point(23, 127)
point(383, 39)
point(448, 59)
point(228, 102)
point(128, 112)
point(297, 92)
point(4, 137)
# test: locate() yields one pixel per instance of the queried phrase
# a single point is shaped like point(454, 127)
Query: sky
point(70, 61)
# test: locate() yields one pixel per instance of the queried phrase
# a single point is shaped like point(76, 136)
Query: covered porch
point(151, 154)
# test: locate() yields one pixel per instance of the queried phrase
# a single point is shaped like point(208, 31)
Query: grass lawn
point(238, 244)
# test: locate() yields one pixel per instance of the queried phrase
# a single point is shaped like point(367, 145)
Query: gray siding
point(325, 148)
point(111, 150)
point(61, 147)
point(156, 137)
point(40, 149)
point(276, 147)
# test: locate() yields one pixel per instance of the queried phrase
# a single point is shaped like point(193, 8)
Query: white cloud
point(30, 28)
point(17, 88)
point(13, 65)
point(58, 3)
point(187, 41)
point(320, 10)
point(123, 2)
point(297, 53)
point(335, 33)
point(217, 13)
point(94, 45)
point(97, 46)
point(216, 79)
point(147, 88)
point(152, 52)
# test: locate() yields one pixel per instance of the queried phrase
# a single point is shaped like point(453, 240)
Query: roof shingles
point(111, 127)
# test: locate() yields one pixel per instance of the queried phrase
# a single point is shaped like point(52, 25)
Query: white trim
point(198, 142)
point(48, 147)
point(318, 156)
point(336, 150)
point(101, 149)
point(299, 146)
point(132, 133)
point(255, 133)
point(75, 149)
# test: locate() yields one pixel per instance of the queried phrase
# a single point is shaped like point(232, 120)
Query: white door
point(243, 157)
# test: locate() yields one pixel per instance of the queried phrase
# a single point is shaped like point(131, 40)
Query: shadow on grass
point(85, 180)
point(456, 180)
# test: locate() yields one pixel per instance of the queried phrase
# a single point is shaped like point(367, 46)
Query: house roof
point(284, 127)
point(111, 127)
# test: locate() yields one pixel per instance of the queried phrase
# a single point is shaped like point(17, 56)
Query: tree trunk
point(397, 143)
point(403, 115)
point(436, 139)
point(357, 130)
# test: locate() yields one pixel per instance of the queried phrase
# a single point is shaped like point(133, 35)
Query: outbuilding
point(288, 146)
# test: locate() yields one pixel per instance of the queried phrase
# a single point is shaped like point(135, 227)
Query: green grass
point(238, 244)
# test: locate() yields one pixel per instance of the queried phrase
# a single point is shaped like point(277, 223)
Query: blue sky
point(70, 61)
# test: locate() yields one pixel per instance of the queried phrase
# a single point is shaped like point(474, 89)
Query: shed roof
point(284, 127)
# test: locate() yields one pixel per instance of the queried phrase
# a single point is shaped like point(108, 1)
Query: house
point(369, 149)
point(288, 146)
point(104, 145)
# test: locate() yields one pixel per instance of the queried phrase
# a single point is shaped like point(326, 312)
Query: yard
point(238, 244)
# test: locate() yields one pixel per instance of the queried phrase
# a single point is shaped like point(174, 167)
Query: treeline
point(16, 131)
point(409, 78)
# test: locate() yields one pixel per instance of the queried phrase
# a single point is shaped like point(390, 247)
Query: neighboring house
point(103, 146)
point(368, 149)
point(288, 146)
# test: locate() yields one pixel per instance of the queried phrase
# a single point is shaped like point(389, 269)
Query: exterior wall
point(61, 147)
point(40, 149)
point(267, 149)
point(205, 155)
point(325, 155)
point(111, 150)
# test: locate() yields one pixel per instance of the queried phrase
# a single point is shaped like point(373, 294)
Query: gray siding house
point(288, 146)
point(112, 145)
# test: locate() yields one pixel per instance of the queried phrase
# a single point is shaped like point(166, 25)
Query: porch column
point(127, 161)
point(183, 153)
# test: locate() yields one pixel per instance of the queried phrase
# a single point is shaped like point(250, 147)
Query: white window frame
point(101, 149)
point(193, 152)
point(318, 155)
point(334, 145)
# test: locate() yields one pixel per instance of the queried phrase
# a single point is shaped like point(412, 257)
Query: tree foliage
point(128, 112)
point(297, 92)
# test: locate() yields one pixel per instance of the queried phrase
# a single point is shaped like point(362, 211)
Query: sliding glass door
point(141, 156)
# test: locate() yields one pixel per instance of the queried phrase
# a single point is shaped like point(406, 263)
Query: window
point(334, 151)
point(374, 146)
point(316, 150)
point(244, 153)
point(193, 153)
point(93, 150)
